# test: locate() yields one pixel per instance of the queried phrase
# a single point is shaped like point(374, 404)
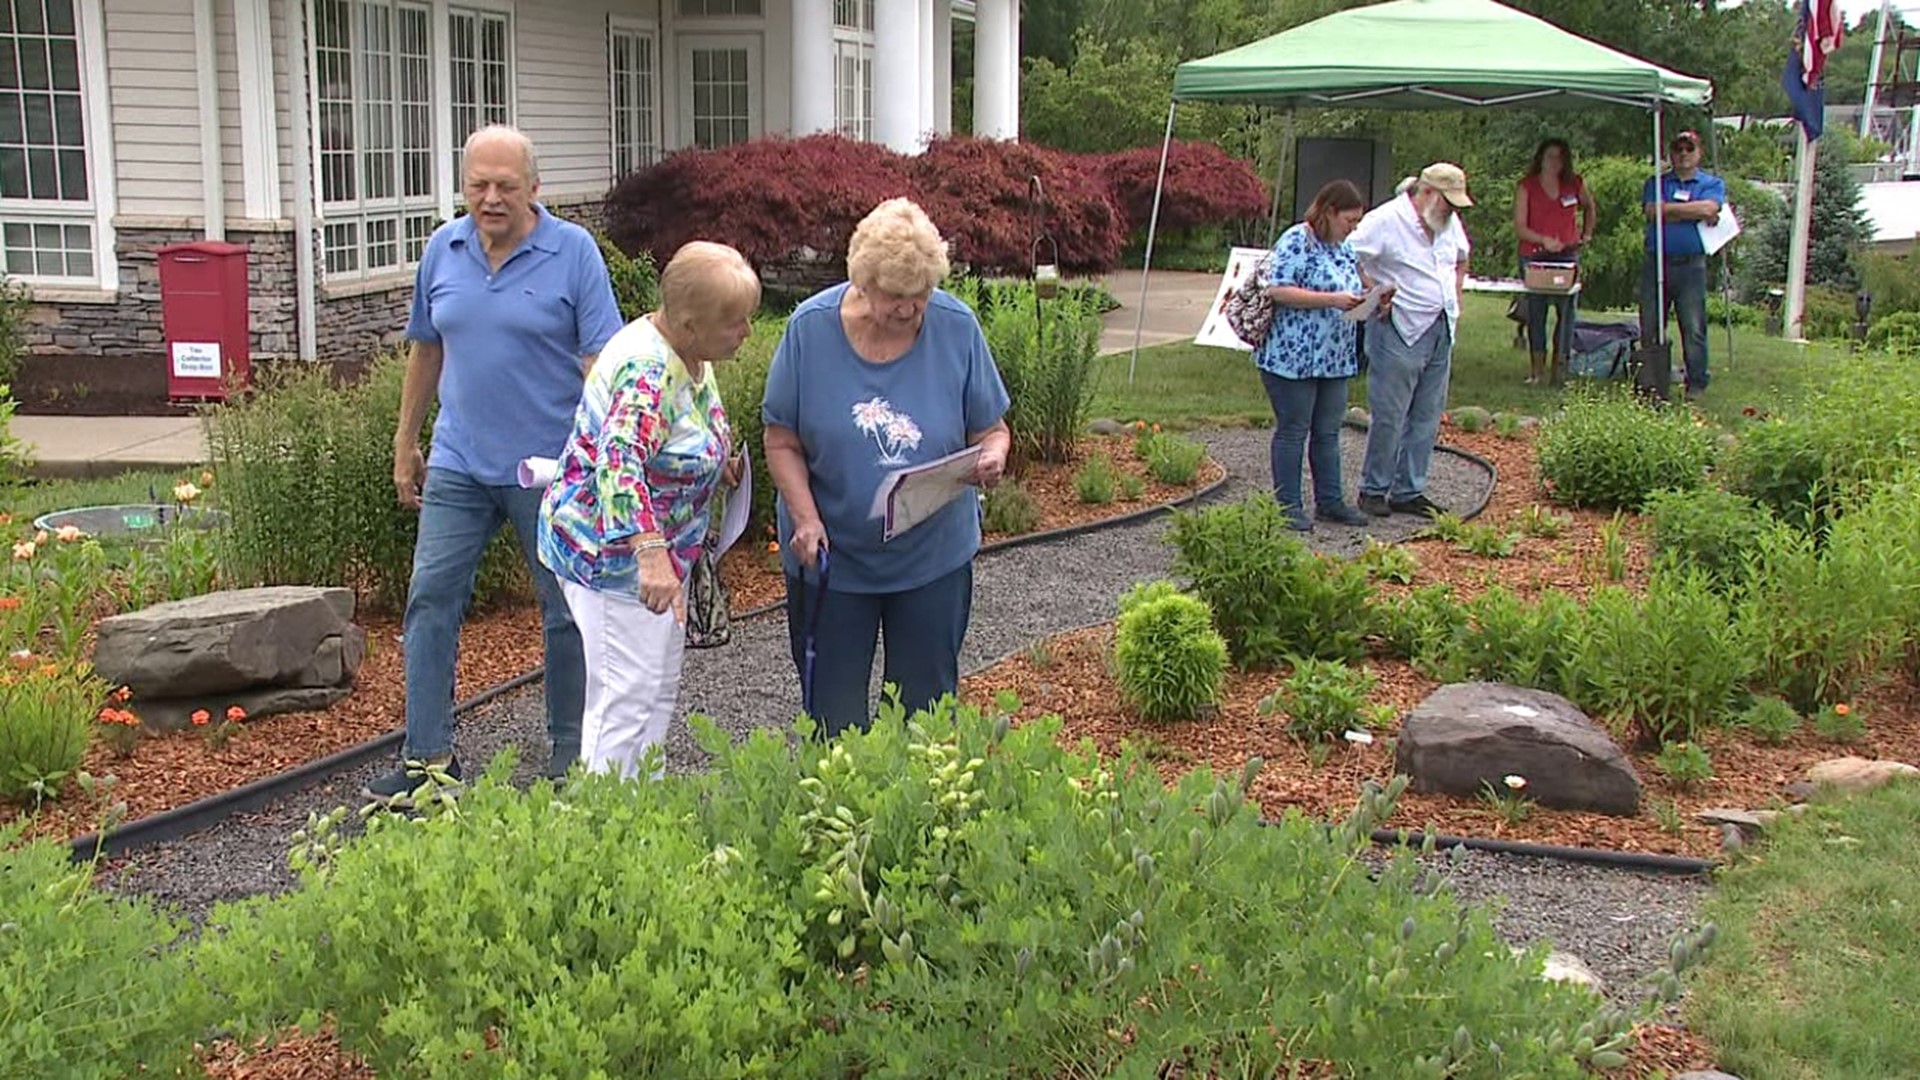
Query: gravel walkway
point(1619, 923)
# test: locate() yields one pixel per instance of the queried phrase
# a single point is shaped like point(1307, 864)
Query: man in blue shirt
point(510, 307)
point(1692, 197)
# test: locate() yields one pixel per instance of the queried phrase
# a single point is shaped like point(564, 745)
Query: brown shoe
point(1539, 369)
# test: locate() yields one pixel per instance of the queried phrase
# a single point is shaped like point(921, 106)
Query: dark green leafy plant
point(1047, 362)
point(1770, 720)
point(1272, 597)
point(1420, 626)
point(1169, 662)
point(1506, 639)
point(636, 282)
point(1172, 459)
point(1710, 530)
point(1665, 666)
point(1780, 464)
point(1840, 723)
point(1388, 562)
point(743, 385)
point(1685, 764)
point(1321, 699)
point(1612, 452)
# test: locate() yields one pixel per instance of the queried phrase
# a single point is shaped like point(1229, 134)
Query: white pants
point(633, 677)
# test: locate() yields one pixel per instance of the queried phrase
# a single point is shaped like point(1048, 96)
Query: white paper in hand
point(538, 472)
point(1367, 306)
point(1718, 234)
point(739, 503)
point(908, 497)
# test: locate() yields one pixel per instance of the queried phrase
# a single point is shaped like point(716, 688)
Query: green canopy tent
point(1421, 54)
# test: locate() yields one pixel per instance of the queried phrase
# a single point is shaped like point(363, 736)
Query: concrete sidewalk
point(1177, 303)
point(70, 447)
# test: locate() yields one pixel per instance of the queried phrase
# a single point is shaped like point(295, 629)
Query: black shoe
point(1419, 504)
point(1341, 514)
point(1375, 505)
point(395, 789)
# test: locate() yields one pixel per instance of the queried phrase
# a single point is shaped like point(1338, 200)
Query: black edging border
point(202, 813)
point(205, 812)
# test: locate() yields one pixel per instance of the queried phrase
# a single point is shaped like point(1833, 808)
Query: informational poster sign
point(1215, 331)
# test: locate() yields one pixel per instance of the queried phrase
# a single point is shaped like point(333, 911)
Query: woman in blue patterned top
point(1311, 351)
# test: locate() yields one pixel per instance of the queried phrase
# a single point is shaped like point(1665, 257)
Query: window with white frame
point(699, 9)
point(373, 76)
point(633, 73)
point(481, 76)
point(722, 85)
point(46, 197)
point(853, 68)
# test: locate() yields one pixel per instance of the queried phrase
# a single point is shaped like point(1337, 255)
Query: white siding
point(156, 110)
point(283, 101)
point(227, 62)
point(560, 83)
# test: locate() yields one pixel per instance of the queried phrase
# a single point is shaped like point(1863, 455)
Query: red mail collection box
point(203, 312)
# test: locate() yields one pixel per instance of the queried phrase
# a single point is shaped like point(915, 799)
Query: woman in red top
point(1553, 215)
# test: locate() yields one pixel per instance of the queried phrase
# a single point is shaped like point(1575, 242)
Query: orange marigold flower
point(206, 478)
point(773, 547)
point(235, 714)
point(23, 659)
point(1841, 709)
point(200, 717)
point(1156, 429)
point(122, 695)
point(49, 670)
point(9, 603)
point(5, 520)
point(108, 716)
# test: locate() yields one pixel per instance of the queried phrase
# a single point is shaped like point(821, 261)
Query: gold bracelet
point(650, 545)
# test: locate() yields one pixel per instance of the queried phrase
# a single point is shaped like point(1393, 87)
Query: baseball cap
point(1690, 137)
point(1448, 180)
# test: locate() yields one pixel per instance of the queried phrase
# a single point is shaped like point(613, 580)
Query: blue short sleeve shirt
point(858, 421)
point(1310, 343)
point(513, 339)
point(1683, 237)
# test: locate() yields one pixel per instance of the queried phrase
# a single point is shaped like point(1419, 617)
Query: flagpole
point(1802, 232)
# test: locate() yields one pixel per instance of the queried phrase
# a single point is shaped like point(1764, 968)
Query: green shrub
point(1094, 482)
point(1322, 699)
point(1168, 659)
point(1710, 530)
point(1272, 597)
point(940, 897)
point(1770, 720)
point(1898, 333)
point(636, 282)
point(46, 716)
point(15, 305)
point(743, 385)
point(1388, 562)
point(1827, 620)
point(1782, 465)
point(98, 987)
point(1685, 764)
point(1172, 459)
point(305, 472)
point(1009, 510)
point(1420, 626)
point(1146, 592)
point(1472, 418)
point(1506, 639)
point(1665, 666)
point(1840, 723)
point(1607, 450)
point(16, 457)
point(1046, 363)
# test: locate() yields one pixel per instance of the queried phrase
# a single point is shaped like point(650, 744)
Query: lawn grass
point(1816, 975)
point(45, 496)
point(1187, 385)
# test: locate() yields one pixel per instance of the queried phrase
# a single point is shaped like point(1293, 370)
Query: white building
point(325, 134)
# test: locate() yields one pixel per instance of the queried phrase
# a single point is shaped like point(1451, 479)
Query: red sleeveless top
point(1558, 218)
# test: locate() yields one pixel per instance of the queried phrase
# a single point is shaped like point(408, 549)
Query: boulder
point(1567, 968)
point(1106, 425)
point(1852, 775)
point(160, 715)
point(1358, 415)
point(224, 642)
point(1466, 736)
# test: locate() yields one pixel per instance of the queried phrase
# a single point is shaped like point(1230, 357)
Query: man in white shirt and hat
point(1414, 244)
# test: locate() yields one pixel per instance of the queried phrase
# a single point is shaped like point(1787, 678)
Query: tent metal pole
point(1153, 226)
point(1664, 378)
point(1280, 180)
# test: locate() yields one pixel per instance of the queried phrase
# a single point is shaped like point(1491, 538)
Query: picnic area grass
point(1816, 973)
point(1187, 385)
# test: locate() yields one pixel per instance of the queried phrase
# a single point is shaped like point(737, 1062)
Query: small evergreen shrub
point(636, 281)
point(1169, 660)
point(1770, 720)
point(1609, 451)
point(1710, 530)
point(1010, 510)
point(1272, 597)
point(1146, 592)
point(1094, 481)
point(1322, 699)
point(1172, 459)
point(743, 385)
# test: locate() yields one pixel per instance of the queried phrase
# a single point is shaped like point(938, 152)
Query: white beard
point(1436, 217)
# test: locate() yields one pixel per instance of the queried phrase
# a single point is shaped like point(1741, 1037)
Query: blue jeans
point(458, 516)
point(923, 628)
point(1687, 296)
point(1406, 392)
point(1306, 423)
point(1538, 304)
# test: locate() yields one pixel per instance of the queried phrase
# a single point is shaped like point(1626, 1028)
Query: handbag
point(709, 622)
point(1250, 310)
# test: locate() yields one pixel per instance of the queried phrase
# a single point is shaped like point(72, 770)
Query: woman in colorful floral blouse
point(1311, 352)
point(630, 507)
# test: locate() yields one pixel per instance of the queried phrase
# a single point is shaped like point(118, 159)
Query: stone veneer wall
point(348, 327)
point(130, 325)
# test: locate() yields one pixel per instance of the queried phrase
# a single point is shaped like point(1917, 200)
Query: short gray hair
point(897, 249)
point(511, 135)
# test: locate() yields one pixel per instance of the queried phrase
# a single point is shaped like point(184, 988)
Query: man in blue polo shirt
point(1692, 198)
point(510, 307)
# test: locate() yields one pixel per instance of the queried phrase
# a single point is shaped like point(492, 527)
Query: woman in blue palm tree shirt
point(1311, 351)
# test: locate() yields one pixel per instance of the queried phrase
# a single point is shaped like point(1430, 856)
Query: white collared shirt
point(1394, 249)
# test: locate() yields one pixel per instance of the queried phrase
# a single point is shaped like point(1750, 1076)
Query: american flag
point(1816, 38)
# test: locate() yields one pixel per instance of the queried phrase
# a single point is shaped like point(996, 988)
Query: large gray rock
point(1469, 735)
point(230, 641)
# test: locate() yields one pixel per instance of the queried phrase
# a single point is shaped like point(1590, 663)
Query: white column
point(942, 79)
point(812, 66)
point(926, 65)
point(996, 70)
point(213, 181)
point(259, 134)
point(896, 75)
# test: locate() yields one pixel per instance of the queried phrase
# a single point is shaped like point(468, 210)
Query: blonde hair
point(705, 282)
point(897, 250)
